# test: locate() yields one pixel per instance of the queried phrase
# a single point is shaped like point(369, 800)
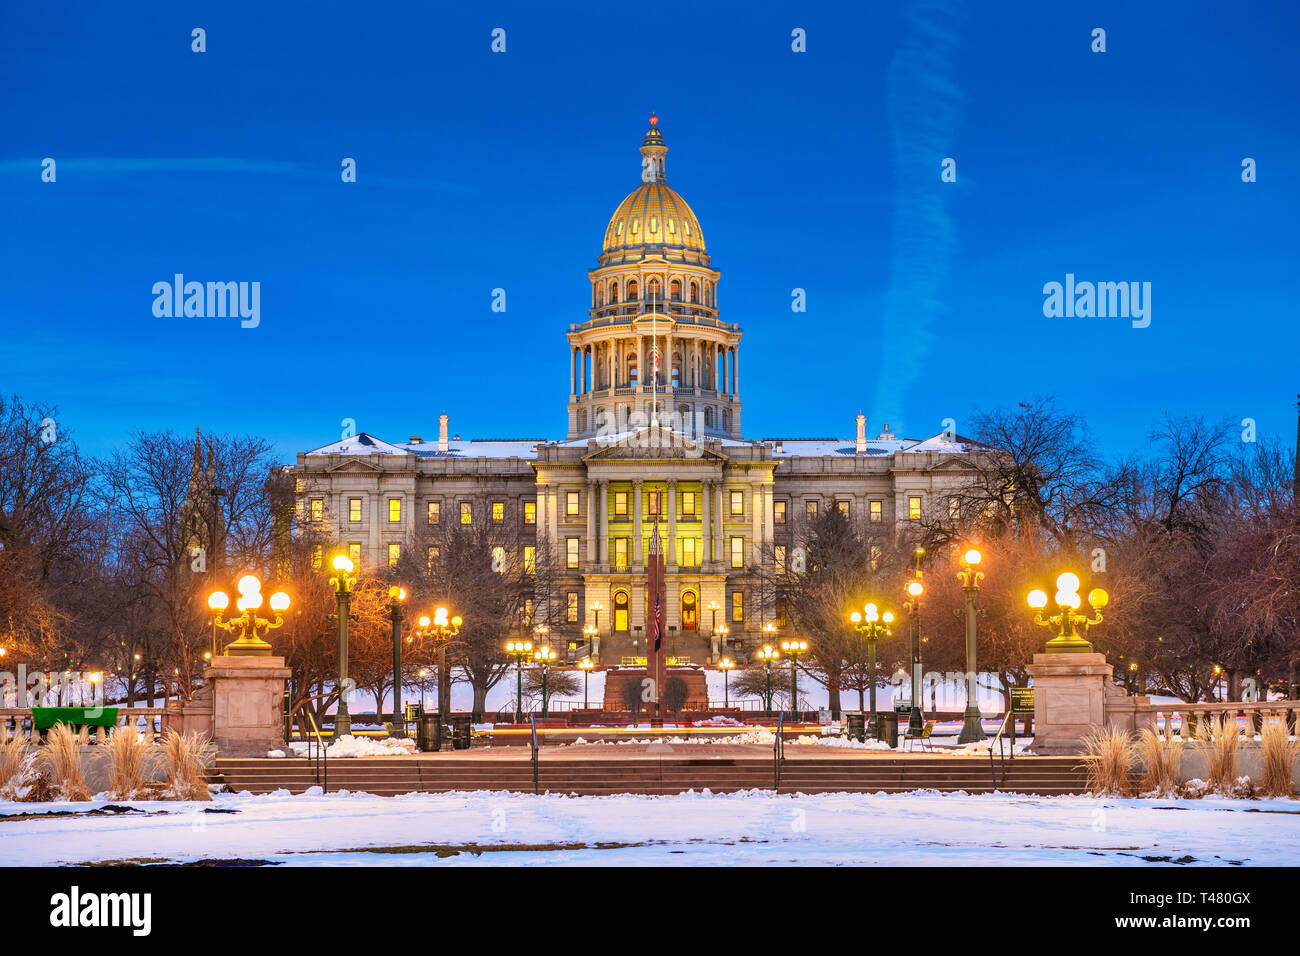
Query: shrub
point(184, 754)
point(129, 757)
point(1159, 760)
point(1109, 759)
point(675, 693)
point(63, 757)
point(1279, 754)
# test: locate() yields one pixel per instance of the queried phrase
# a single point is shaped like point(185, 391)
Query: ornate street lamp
point(971, 729)
point(769, 655)
point(586, 665)
point(914, 723)
point(872, 624)
point(544, 656)
point(397, 595)
point(1068, 623)
point(442, 629)
point(593, 635)
point(725, 665)
point(343, 583)
point(519, 650)
point(248, 624)
point(792, 650)
point(714, 647)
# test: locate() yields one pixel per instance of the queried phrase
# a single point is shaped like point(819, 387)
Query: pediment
point(354, 465)
point(653, 442)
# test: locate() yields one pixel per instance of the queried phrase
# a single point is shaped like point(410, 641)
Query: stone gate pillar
point(1069, 700)
point(247, 704)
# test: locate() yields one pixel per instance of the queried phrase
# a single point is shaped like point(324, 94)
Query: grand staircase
point(653, 773)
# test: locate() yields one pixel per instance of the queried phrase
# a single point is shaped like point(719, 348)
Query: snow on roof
point(847, 447)
point(365, 444)
point(359, 444)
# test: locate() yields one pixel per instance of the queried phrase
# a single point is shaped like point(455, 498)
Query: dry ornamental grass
point(63, 757)
point(1109, 757)
point(129, 760)
point(1160, 760)
point(185, 754)
point(1279, 753)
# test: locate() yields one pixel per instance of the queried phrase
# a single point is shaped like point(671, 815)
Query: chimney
point(417, 440)
point(862, 434)
point(886, 435)
point(442, 433)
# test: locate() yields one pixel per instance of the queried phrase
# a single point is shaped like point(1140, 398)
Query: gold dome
point(653, 218)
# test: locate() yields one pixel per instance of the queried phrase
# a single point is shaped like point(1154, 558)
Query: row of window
point(653, 291)
point(653, 504)
point(690, 557)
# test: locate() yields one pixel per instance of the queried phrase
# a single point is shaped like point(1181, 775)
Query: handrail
point(322, 761)
point(997, 740)
point(778, 754)
point(536, 746)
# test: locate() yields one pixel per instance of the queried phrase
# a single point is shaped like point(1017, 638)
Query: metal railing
point(778, 754)
point(322, 759)
point(536, 748)
point(997, 742)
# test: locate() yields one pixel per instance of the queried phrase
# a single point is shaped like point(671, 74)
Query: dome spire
point(653, 153)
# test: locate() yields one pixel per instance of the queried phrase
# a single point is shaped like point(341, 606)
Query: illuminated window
point(672, 227)
point(631, 290)
point(737, 605)
point(318, 509)
point(914, 507)
point(530, 559)
point(354, 552)
point(737, 552)
point(620, 611)
point(636, 227)
point(688, 504)
point(620, 554)
point(394, 554)
point(737, 502)
point(466, 513)
point(620, 504)
point(315, 557)
point(844, 507)
point(499, 559)
point(690, 611)
point(652, 503)
point(354, 509)
point(778, 512)
point(571, 503)
point(954, 508)
point(810, 509)
point(674, 287)
point(530, 512)
point(394, 509)
point(435, 512)
point(779, 559)
point(695, 293)
point(431, 558)
point(877, 511)
point(875, 555)
point(529, 608)
point(654, 223)
point(689, 558)
point(498, 512)
point(571, 609)
point(571, 551)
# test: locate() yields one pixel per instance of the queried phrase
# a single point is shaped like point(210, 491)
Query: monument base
point(247, 704)
point(1069, 700)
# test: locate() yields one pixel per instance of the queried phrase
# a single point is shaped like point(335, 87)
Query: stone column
point(636, 523)
point(718, 530)
point(756, 523)
point(573, 368)
point(672, 523)
point(706, 529)
point(603, 492)
point(1069, 700)
point(591, 521)
point(735, 372)
point(542, 524)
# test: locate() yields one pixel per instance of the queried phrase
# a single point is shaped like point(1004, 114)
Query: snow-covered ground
point(752, 828)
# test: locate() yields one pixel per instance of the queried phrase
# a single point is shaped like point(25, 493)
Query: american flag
point(659, 625)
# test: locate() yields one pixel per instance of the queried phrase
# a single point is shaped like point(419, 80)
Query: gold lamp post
point(793, 649)
point(872, 624)
point(915, 725)
point(972, 729)
point(769, 655)
point(586, 665)
point(442, 627)
point(343, 583)
point(544, 656)
point(251, 628)
point(519, 650)
point(725, 665)
point(1068, 624)
point(396, 598)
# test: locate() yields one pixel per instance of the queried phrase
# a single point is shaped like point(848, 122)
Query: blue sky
point(816, 170)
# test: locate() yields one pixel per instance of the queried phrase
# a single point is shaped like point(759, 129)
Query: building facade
point(653, 440)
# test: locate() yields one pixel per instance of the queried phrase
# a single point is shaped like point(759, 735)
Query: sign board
point(1022, 700)
point(824, 717)
point(902, 705)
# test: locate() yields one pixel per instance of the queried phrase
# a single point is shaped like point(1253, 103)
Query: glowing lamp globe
point(218, 600)
point(855, 617)
point(1068, 599)
point(888, 617)
point(1098, 597)
point(279, 601)
point(342, 563)
point(1037, 599)
point(440, 617)
point(252, 601)
point(915, 589)
point(1067, 582)
point(249, 584)
point(973, 557)
point(424, 620)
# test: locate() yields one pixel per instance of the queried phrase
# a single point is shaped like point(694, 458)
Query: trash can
point(887, 729)
point(857, 726)
point(428, 733)
point(460, 733)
